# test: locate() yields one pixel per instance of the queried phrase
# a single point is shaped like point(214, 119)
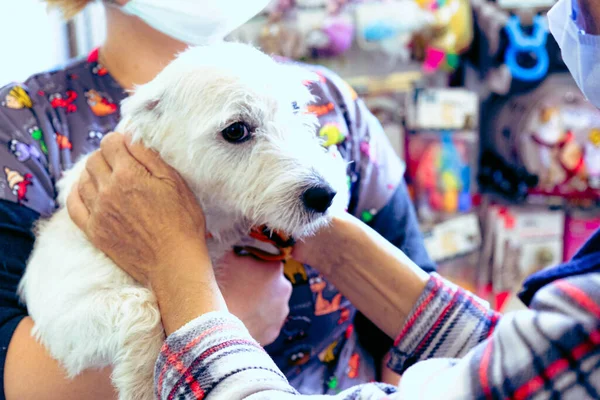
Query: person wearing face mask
point(52, 118)
point(449, 344)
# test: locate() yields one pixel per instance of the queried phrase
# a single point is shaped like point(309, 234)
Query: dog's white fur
point(87, 312)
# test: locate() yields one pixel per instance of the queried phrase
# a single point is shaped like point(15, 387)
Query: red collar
point(285, 245)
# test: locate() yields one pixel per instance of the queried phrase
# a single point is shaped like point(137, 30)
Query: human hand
point(135, 208)
point(256, 292)
point(140, 213)
point(330, 246)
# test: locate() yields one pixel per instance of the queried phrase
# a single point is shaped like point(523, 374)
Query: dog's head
point(231, 120)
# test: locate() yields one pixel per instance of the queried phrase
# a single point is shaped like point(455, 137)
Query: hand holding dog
point(140, 213)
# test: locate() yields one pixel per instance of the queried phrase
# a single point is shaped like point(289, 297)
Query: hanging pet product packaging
point(579, 227)
point(555, 134)
point(441, 151)
point(454, 245)
point(519, 242)
point(453, 238)
point(438, 109)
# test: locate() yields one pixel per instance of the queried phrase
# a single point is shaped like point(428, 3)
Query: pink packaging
point(578, 229)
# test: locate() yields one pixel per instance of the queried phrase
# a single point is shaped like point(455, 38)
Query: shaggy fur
point(87, 312)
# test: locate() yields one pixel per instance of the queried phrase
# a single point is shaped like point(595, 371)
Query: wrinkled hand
point(136, 208)
point(331, 246)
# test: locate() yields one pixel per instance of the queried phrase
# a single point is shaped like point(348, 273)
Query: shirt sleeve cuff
point(446, 322)
point(214, 348)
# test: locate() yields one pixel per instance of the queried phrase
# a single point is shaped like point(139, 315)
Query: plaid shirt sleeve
point(549, 351)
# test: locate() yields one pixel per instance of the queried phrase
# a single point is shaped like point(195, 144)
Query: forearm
point(187, 288)
point(30, 373)
point(379, 279)
point(590, 15)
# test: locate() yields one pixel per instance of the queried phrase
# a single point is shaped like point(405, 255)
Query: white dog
point(229, 119)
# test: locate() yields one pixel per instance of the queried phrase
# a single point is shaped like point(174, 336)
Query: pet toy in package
point(441, 172)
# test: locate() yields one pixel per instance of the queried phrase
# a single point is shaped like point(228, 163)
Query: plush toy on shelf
point(567, 161)
point(550, 136)
point(554, 133)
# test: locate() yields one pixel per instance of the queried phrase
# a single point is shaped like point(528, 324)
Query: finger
point(98, 169)
point(77, 209)
point(88, 192)
point(115, 151)
point(149, 158)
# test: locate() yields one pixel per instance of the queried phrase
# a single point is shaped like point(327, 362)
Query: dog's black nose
point(318, 198)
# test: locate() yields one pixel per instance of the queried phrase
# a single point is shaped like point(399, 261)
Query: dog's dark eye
point(236, 133)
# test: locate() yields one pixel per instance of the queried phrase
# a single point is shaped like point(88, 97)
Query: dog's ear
point(141, 113)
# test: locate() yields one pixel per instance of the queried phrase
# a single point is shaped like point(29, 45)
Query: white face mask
point(195, 22)
point(580, 51)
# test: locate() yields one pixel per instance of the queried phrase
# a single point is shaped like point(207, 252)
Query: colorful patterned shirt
point(49, 121)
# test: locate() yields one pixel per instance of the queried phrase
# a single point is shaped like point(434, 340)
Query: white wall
point(30, 39)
